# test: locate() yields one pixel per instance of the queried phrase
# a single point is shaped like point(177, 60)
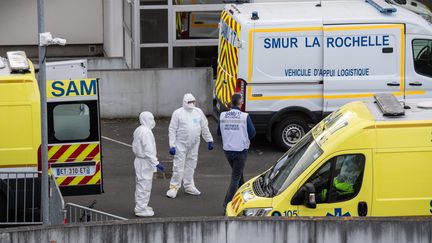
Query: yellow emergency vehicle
point(74, 149)
point(365, 159)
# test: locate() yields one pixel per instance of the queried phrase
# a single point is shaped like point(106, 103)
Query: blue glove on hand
point(172, 151)
point(160, 167)
point(210, 146)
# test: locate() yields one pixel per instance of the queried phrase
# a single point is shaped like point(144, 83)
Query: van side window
point(422, 51)
point(339, 179)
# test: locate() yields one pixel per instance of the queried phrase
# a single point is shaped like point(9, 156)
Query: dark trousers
point(237, 161)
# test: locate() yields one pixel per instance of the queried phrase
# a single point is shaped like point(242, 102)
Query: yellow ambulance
point(74, 149)
point(370, 158)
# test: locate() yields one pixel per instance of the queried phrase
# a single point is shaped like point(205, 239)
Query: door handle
point(393, 84)
point(415, 84)
point(362, 209)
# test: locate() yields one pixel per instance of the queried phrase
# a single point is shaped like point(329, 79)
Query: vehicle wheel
point(289, 131)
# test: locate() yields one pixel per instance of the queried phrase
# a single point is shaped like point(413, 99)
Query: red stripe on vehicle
point(238, 205)
point(67, 181)
point(233, 204)
point(59, 153)
point(77, 152)
point(93, 153)
point(88, 178)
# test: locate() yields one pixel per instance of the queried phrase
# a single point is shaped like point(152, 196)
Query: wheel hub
point(292, 133)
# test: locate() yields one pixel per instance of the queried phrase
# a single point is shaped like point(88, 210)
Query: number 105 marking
point(291, 213)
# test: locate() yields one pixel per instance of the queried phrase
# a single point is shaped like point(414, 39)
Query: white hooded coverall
point(144, 148)
point(187, 124)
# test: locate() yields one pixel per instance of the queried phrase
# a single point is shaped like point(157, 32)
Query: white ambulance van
point(296, 62)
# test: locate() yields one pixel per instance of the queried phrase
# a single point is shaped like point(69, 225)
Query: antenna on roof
point(380, 8)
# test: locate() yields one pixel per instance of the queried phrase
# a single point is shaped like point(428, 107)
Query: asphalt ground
point(212, 175)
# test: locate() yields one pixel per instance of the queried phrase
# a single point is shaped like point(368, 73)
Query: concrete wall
point(105, 63)
point(125, 93)
point(78, 21)
point(221, 230)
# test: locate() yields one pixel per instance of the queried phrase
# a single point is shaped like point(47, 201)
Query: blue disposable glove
point(172, 151)
point(210, 146)
point(160, 167)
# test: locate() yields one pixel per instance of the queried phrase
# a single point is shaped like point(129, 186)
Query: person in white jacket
point(186, 126)
point(146, 162)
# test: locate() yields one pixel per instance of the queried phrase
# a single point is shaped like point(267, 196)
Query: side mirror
point(310, 196)
point(305, 196)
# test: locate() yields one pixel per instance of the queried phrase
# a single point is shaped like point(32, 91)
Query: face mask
point(152, 124)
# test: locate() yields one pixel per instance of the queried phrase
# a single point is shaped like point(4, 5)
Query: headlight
point(249, 212)
point(247, 196)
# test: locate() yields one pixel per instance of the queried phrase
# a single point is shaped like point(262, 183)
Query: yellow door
point(341, 186)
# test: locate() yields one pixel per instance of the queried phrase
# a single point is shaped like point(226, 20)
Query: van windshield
point(293, 163)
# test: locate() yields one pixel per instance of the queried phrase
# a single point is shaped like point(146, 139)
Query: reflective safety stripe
point(76, 153)
point(227, 69)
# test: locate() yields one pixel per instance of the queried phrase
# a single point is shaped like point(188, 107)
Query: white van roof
point(308, 13)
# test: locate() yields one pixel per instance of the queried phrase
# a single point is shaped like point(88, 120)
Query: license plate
point(74, 171)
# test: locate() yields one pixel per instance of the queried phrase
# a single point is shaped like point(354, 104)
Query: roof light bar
point(380, 8)
point(389, 105)
point(18, 61)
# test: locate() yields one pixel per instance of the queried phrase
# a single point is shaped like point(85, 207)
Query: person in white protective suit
point(146, 162)
point(186, 126)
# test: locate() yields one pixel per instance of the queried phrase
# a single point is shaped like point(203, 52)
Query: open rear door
point(362, 60)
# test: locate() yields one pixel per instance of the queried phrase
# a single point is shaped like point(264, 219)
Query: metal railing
point(19, 198)
point(77, 214)
point(57, 212)
point(20, 202)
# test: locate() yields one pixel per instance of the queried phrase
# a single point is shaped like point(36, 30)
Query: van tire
point(289, 131)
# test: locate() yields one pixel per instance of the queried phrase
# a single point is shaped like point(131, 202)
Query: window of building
point(154, 57)
point(154, 25)
point(422, 50)
point(197, 25)
point(174, 33)
point(196, 56)
point(339, 179)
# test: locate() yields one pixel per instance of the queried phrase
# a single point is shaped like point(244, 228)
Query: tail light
point(241, 89)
